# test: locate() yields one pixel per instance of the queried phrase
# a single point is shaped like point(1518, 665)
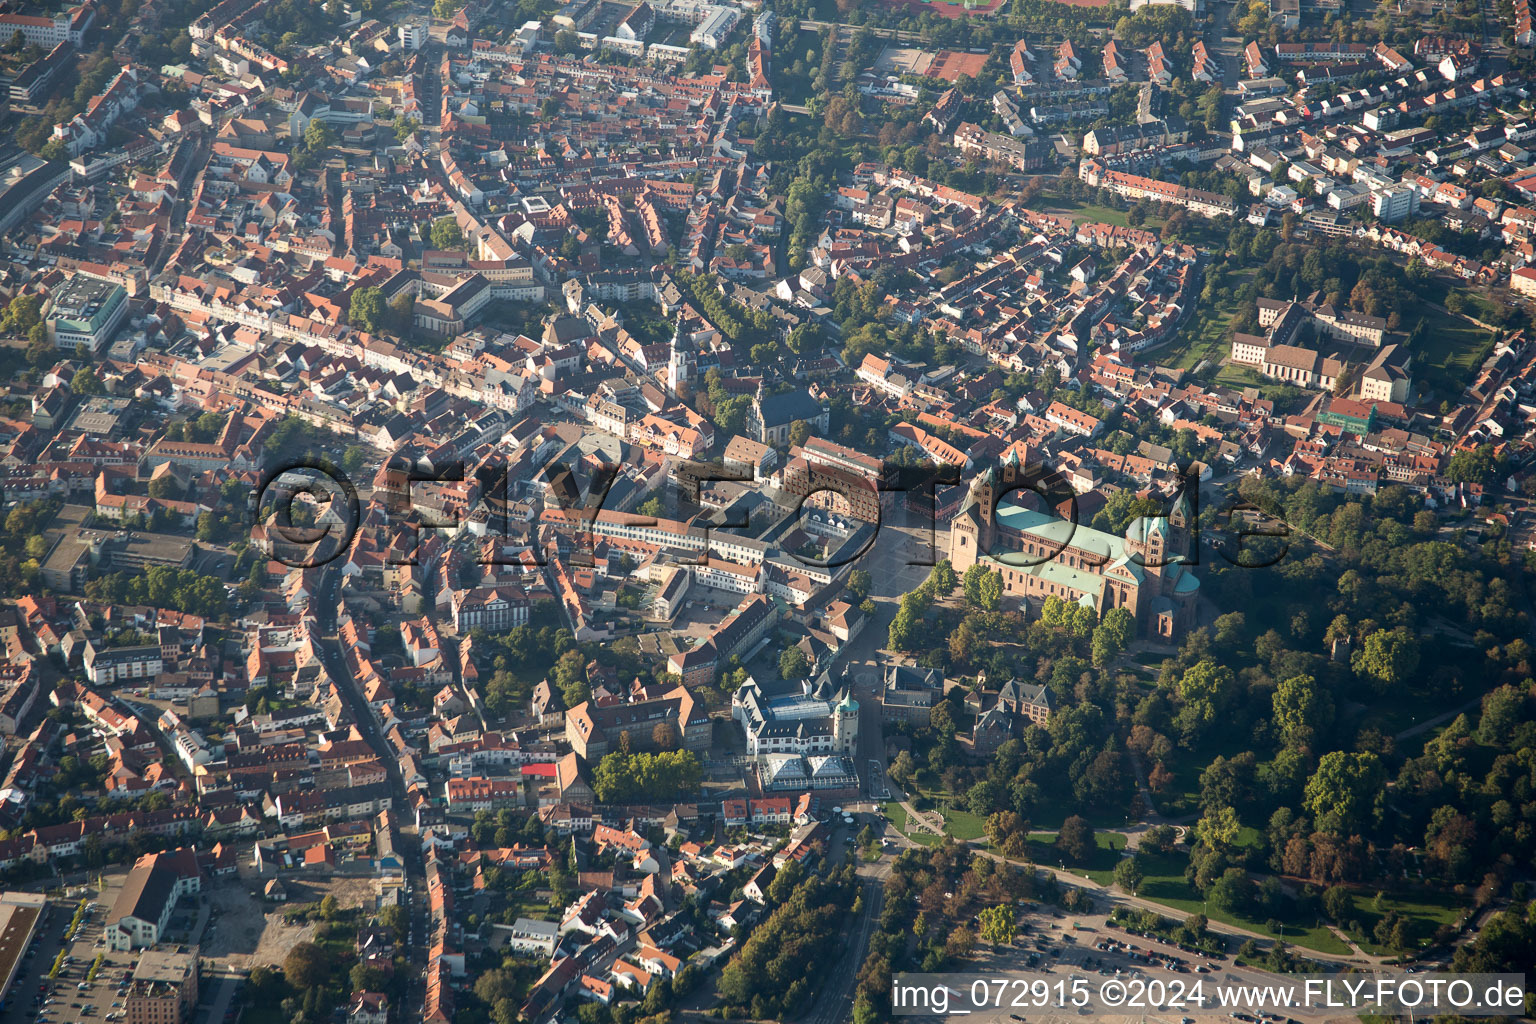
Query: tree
point(990, 590)
point(622, 777)
point(1208, 681)
point(85, 382)
point(1112, 636)
point(1206, 688)
point(1302, 709)
point(1475, 465)
point(402, 313)
point(22, 313)
point(393, 917)
point(1387, 658)
point(205, 428)
point(1218, 828)
point(306, 966)
point(1054, 612)
point(1233, 891)
point(1128, 873)
point(164, 487)
point(903, 768)
point(997, 924)
point(367, 978)
point(1081, 620)
point(983, 796)
point(495, 985)
point(1075, 840)
point(1104, 783)
point(1344, 790)
point(1338, 905)
point(971, 581)
point(799, 433)
point(793, 664)
point(664, 736)
point(1231, 629)
point(943, 579)
point(366, 310)
point(318, 136)
point(40, 351)
point(1450, 842)
point(1122, 509)
point(263, 981)
point(446, 234)
point(959, 944)
point(859, 582)
point(1160, 838)
point(1503, 710)
point(570, 675)
point(1001, 825)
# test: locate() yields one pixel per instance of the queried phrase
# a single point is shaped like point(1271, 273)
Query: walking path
point(1114, 895)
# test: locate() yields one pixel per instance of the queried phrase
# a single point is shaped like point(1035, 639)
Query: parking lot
point(1058, 947)
point(91, 982)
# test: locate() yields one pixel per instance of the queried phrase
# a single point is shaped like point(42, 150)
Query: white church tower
point(682, 362)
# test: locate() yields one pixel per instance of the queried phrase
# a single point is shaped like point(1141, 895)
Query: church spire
point(682, 363)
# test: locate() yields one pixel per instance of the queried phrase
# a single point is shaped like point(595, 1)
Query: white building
point(413, 34)
point(732, 577)
point(48, 32)
point(1394, 204)
point(498, 608)
point(817, 721)
point(716, 28)
point(107, 665)
point(528, 936)
point(145, 903)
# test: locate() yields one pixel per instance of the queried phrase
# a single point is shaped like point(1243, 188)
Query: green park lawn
point(1208, 334)
point(958, 822)
point(1094, 213)
point(1100, 214)
point(1237, 376)
point(1429, 908)
point(964, 825)
point(897, 815)
point(1100, 867)
point(1451, 351)
point(1164, 883)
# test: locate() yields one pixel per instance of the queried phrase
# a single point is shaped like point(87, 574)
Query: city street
point(327, 605)
point(223, 985)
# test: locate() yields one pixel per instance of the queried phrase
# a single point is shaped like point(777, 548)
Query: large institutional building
point(1042, 555)
point(594, 729)
point(822, 719)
